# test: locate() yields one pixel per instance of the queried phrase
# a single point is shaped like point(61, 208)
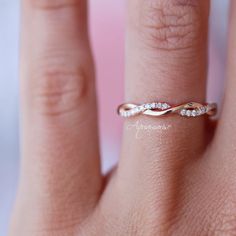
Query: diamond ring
point(191, 109)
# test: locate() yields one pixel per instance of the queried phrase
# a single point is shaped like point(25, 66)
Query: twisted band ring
point(191, 109)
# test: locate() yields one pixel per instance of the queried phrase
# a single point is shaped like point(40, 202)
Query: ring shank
point(191, 109)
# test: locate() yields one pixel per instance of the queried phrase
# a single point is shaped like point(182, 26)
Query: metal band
point(191, 109)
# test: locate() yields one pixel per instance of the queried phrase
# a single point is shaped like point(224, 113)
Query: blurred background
point(107, 32)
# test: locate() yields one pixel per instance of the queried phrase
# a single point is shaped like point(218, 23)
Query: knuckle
point(59, 90)
point(170, 25)
point(52, 4)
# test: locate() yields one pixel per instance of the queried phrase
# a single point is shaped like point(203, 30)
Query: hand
point(177, 181)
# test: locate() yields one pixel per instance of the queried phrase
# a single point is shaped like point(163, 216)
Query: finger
point(225, 133)
point(166, 61)
point(60, 176)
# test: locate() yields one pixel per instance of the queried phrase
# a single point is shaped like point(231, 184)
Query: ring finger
point(166, 61)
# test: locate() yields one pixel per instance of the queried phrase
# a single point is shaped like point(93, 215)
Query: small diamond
point(136, 110)
point(132, 112)
point(127, 113)
point(188, 113)
point(198, 111)
point(141, 108)
point(124, 114)
point(194, 113)
point(148, 106)
point(153, 105)
point(165, 106)
point(183, 112)
point(159, 105)
point(203, 110)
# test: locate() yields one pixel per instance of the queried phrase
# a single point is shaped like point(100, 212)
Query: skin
point(176, 181)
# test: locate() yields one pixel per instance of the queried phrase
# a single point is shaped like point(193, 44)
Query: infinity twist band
point(191, 109)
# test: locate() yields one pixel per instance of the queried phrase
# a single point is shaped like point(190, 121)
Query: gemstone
point(153, 105)
point(159, 105)
point(183, 112)
point(194, 113)
point(148, 106)
point(141, 108)
point(165, 106)
point(188, 113)
point(132, 112)
point(203, 110)
point(198, 111)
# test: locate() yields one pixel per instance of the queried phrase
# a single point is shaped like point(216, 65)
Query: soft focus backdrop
point(107, 31)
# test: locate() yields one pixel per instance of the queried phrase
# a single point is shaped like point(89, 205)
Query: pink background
point(107, 31)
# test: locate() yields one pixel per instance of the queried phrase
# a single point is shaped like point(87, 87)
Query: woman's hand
point(177, 181)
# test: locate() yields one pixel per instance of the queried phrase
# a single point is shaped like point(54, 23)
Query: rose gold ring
point(191, 109)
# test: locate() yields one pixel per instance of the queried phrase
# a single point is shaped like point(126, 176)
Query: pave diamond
point(183, 112)
point(194, 113)
point(165, 106)
point(136, 110)
point(148, 106)
point(153, 105)
point(203, 110)
point(161, 108)
point(159, 105)
point(124, 114)
point(188, 113)
point(128, 113)
point(141, 108)
point(198, 111)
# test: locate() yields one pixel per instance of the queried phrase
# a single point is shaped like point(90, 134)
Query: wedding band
point(191, 109)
